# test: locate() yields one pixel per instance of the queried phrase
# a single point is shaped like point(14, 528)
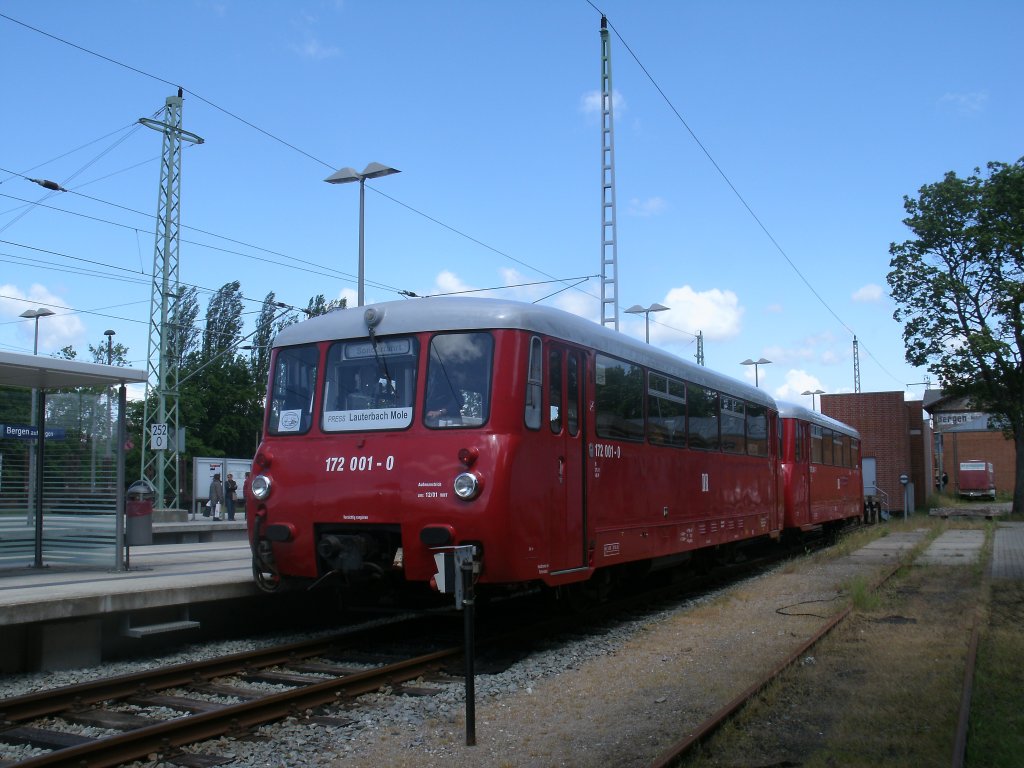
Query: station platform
point(70, 616)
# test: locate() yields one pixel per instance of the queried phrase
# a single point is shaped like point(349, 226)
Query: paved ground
point(1008, 552)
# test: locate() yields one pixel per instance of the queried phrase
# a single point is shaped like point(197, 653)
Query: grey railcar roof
point(794, 411)
point(461, 314)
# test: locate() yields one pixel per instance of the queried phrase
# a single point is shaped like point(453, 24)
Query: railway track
point(162, 710)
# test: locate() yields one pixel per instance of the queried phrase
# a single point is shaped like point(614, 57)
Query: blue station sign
point(28, 432)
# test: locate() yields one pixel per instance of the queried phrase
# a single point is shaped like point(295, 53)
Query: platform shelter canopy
point(38, 372)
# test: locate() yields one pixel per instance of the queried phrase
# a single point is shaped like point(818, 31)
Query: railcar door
point(565, 446)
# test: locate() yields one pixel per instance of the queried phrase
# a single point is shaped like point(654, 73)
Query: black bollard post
point(469, 640)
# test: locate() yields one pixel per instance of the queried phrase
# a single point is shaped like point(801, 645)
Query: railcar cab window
point(291, 393)
point(620, 399)
point(370, 385)
point(458, 392)
point(666, 410)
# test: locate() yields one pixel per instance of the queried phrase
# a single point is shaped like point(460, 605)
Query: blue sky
point(821, 115)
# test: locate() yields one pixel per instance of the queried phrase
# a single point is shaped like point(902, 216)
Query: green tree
point(223, 321)
point(959, 287)
point(318, 305)
point(183, 335)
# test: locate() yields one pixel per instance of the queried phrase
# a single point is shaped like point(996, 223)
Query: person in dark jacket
point(216, 497)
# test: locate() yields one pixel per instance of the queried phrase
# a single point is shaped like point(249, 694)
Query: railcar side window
point(702, 424)
point(855, 453)
point(757, 430)
point(459, 380)
point(666, 410)
point(555, 390)
point(826, 446)
point(620, 399)
point(292, 389)
point(533, 385)
point(733, 425)
point(572, 404)
point(800, 435)
point(370, 385)
point(815, 444)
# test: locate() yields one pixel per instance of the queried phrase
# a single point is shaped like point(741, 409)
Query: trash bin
point(138, 513)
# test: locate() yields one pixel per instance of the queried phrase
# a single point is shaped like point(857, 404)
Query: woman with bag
point(216, 496)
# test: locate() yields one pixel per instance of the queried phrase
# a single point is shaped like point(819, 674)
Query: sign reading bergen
point(28, 432)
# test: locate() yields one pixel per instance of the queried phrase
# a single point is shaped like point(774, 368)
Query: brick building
point(962, 433)
point(895, 440)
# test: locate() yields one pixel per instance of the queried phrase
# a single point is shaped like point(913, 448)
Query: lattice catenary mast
point(856, 365)
point(609, 253)
point(161, 466)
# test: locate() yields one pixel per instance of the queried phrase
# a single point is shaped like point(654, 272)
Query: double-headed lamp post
point(35, 314)
point(636, 309)
point(813, 394)
point(345, 175)
point(756, 363)
point(110, 346)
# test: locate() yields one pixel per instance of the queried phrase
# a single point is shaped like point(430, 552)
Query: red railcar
point(556, 446)
point(821, 470)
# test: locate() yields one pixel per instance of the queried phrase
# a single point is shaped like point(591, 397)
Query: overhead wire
point(273, 137)
point(725, 177)
point(322, 162)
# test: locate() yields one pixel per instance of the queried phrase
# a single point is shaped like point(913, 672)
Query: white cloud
point(316, 50)
point(868, 294)
point(798, 381)
point(715, 312)
point(55, 331)
point(965, 103)
point(449, 282)
point(652, 206)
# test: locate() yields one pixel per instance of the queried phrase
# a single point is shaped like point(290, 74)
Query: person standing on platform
point(229, 496)
point(216, 497)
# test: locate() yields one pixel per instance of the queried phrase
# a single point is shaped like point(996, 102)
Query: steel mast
point(609, 252)
point(856, 365)
point(161, 465)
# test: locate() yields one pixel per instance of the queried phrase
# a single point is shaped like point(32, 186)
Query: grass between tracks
point(996, 735)
point(884, 688)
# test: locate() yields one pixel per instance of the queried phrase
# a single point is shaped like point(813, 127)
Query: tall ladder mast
point(856, 365)
point(609, 252)
point(161, 465)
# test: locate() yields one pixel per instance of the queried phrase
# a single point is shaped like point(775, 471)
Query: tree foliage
point(959, 287)
point(223, 321)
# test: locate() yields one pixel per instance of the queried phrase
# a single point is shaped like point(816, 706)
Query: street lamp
point(110, 346)
point(345, 175)
point(636, 309)
point(812, 394)
point(755, 363)
point(35, 314)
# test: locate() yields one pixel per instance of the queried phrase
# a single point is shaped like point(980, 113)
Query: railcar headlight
point(467, 486)
point(260, 487)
